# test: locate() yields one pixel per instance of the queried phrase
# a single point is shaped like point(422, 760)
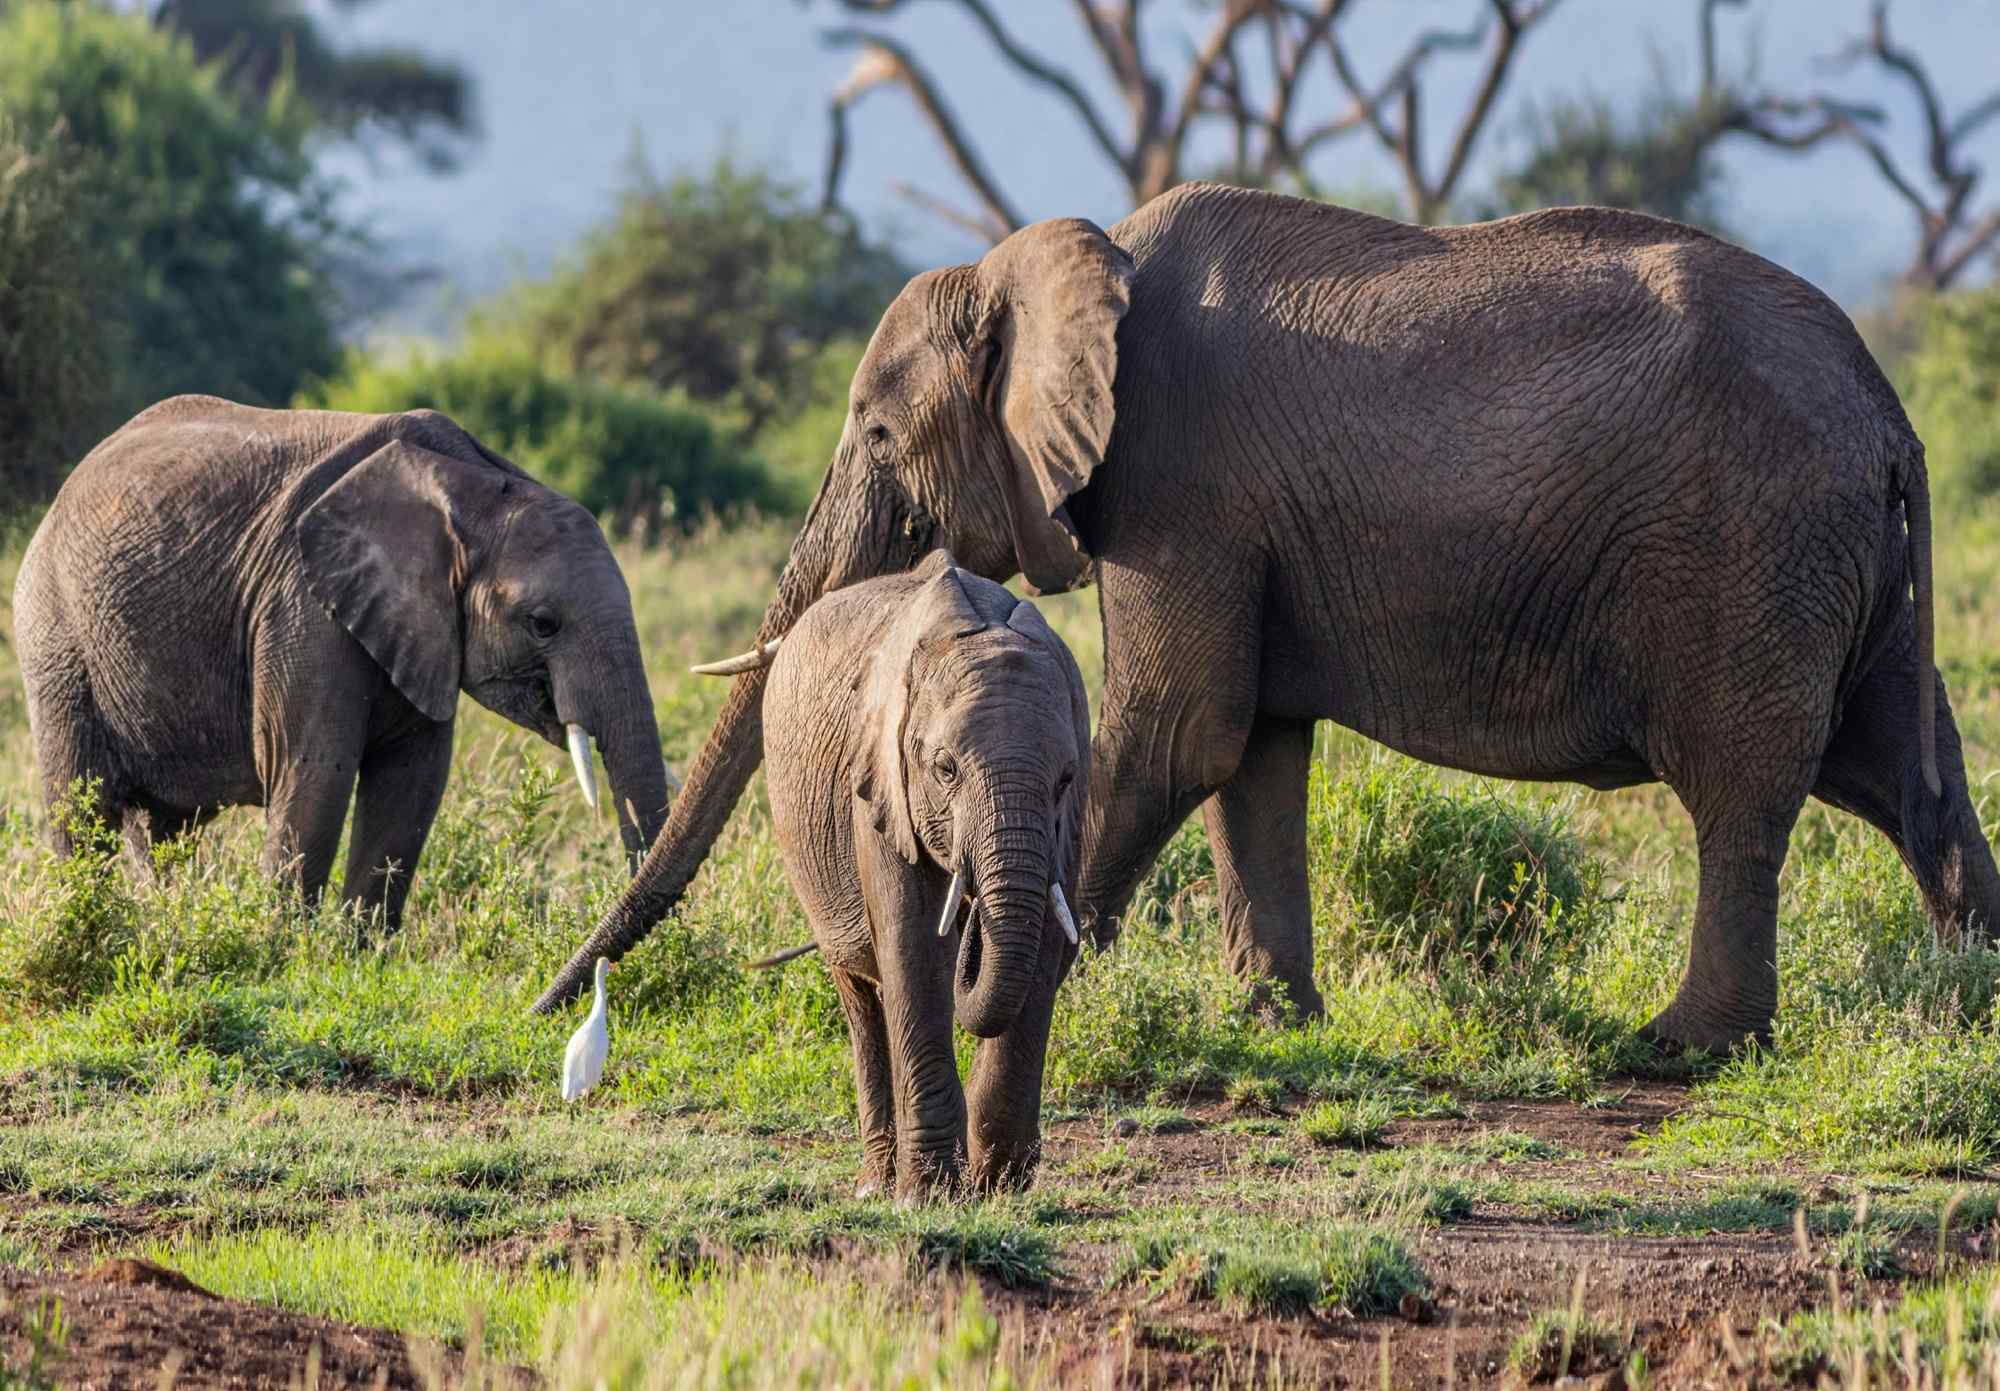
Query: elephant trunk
point(638, 775)
point(602, 697)
point(850, 534)
point(1002, 946)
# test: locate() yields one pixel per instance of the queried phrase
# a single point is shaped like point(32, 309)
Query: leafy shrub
point(67, 947)
point(624, 453)
point(1951, 387)
point(212, 220)
point(60, 333)
point(725, 286)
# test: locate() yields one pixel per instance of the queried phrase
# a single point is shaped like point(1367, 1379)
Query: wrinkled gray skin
point(1577, 495)
point(238, 607)
point(912, 725)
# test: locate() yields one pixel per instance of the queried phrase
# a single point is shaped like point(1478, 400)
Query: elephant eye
point(878, 438)
point(1063, 782)
point(945, 768)
point(543, 625)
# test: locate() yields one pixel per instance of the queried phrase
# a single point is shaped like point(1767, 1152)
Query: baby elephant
point(927, 746)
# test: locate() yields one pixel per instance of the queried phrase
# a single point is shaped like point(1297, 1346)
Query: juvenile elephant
point(1581, 495)
point(928, 748)
point(238, 607)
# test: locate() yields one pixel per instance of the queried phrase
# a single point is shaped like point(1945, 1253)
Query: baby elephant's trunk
point(1001, 949)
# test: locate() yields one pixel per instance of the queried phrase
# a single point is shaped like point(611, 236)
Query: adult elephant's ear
point(384, 551)
point(938, 612)
point(1054, 293)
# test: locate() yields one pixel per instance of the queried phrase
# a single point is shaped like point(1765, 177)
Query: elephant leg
point(874, 1094)
point(1257, 832)
point(402, 781)
point(1872, 769)
point(1003, 1099)
point(914, 965)
point(303, 815)
point(1729, 992)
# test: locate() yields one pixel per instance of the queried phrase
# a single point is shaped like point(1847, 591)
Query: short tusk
point(579, 757)
point(952, 898)
point(1062, 913)
point(755, 658)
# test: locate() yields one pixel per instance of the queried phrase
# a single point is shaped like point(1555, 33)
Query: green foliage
point(1436, 874)
point(1661, 160)
point(1357, 1270)
point(625, 453)
point(1355, 1123)
point(724, 286)
point(266, 46)
point(207, 223)
point(1950, 384)
point(66, 947)
point(61, 335)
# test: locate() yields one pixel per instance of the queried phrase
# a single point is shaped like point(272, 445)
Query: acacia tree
point(366, 94)
point(1251, 75)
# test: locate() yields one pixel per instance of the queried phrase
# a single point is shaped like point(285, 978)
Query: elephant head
point(463, 575)
point(974, 753)
point(980, 410)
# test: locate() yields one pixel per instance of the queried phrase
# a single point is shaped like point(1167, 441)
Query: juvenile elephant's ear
point(1054, 294)
point(938, 611)
point(384, 552)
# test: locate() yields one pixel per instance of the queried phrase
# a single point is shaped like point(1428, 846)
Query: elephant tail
point(1916, 489)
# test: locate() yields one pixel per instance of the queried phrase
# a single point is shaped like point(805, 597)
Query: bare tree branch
point(1036, 68)
point(885, 61)
point(1429, 198)
point(1950, 237)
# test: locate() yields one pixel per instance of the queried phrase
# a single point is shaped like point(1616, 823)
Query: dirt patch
point(124, 1323)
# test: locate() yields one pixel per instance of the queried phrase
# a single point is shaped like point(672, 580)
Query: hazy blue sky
point(567, 88)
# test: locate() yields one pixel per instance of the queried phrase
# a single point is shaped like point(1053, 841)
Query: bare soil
point(133, 1324)
point(1690, 1304)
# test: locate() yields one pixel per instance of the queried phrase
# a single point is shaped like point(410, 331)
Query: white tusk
point(745, 661)
point(951, 901)
point(1062, 913)
point(579, 757)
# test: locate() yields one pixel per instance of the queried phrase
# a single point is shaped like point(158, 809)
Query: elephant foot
point(927, 1178)
point(1678, 1030)
point(1282, 1001)
point(1009, 1170)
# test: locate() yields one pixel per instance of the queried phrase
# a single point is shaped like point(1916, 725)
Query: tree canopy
point(725, 286)
point(207, 215)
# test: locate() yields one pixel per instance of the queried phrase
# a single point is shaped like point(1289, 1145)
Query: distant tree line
point(163, 226)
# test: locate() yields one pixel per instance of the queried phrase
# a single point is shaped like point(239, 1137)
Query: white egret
point(583, 1060)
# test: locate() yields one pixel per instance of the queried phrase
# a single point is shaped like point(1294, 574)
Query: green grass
point(1560, 1343)
point(195, 1065)
point(1356, 1270)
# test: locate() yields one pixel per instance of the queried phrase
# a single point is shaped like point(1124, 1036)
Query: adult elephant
point(1580, 495)
point(229, 607)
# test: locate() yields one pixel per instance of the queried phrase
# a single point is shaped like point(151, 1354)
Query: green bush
point(725, 286)
point(1438, 873)
point(627, 454)
point(211, 218)
point(1951, 387)
point(60, 335)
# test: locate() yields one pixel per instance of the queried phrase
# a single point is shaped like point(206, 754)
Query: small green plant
point(1351, 1124)
point(1561, 1343)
